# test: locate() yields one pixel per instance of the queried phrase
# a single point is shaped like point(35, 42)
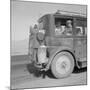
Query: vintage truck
point(59, 49)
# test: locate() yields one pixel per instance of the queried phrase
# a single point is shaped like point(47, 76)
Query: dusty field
point(25, 75)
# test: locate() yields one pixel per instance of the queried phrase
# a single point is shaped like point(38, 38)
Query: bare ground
point(25, 75)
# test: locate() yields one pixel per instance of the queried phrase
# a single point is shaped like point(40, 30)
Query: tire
point(62, 65)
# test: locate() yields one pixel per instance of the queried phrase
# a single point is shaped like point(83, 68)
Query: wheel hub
point(63, 64)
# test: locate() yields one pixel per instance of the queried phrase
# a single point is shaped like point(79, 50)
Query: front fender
point(57, 50)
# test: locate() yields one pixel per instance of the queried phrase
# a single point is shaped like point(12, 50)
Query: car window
point(40, 25)
point(81, 28)
point(63, 26)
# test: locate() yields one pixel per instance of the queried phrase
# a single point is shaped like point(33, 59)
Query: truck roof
point(72, 14)
point(66, 14)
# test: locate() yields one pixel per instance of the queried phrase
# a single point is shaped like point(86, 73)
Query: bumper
point(82, 64)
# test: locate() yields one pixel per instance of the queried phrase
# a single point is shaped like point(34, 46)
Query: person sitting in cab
point(59, 28)
point(42, 49)
point(68, 27)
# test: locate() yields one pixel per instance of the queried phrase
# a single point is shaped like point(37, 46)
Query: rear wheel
point(62, 65)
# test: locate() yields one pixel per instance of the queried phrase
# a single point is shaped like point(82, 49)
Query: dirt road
point(24, 75)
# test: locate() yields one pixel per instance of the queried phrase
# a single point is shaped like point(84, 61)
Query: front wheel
point(62, 65)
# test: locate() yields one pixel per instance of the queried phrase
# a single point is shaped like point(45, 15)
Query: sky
point(26, 13)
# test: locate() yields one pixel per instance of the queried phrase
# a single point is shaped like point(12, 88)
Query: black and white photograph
point(48, 44)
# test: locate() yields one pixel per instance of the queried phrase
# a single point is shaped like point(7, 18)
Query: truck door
point(80, 40)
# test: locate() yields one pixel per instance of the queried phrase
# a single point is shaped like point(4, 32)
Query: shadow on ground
point(76, 70)
point(33, 70)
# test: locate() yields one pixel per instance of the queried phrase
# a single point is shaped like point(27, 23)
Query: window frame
point(66, 18)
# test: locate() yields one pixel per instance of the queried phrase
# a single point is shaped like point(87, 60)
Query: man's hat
point(68, 21)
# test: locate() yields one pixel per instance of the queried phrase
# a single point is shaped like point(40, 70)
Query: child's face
point(58, 24)
point(69, 23)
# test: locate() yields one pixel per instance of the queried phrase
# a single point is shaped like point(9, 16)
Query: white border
point(4, 44)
